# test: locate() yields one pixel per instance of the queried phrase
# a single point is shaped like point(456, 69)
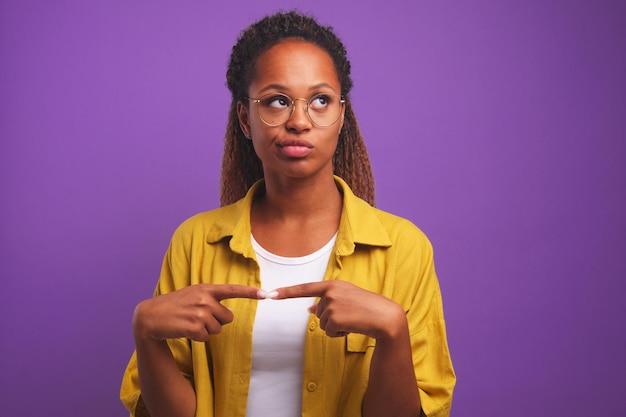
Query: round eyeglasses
point(276, 109)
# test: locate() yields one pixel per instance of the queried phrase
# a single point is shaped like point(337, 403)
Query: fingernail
point(272, 294)
point(262, 294)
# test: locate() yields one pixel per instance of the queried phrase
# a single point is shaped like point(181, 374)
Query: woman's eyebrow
point(281, 87)
point(322, 85)
point(273, 87)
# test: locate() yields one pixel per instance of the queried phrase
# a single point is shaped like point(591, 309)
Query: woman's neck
point(300, 198)
point(295, 218)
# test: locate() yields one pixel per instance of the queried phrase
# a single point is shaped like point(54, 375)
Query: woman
point(296, 296)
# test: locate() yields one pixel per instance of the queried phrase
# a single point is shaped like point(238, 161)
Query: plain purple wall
point(496, 126)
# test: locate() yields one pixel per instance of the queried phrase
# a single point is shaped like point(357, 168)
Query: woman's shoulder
point(402, 232)
point(201, 223)
point(362, 216)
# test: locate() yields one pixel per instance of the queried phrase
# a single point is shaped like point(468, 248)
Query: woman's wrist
point(141, 331)
point(395, 326)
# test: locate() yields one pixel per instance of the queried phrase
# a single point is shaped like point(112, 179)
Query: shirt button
point(312, 326)
point(311, 386)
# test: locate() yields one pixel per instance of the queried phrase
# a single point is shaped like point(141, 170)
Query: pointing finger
point(226, 291)
point(309, 289)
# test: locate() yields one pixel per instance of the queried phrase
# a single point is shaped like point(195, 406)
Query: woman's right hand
point(194, 312)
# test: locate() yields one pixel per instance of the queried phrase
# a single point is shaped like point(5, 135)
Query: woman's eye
point(277, 102)
point(320, 102)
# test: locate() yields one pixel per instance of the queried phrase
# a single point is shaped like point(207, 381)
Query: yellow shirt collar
point(359, 223)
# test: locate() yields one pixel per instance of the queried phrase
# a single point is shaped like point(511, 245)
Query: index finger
point(309, 289)
point(225, 291)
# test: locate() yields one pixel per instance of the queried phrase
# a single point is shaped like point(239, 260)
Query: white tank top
point(279, 331)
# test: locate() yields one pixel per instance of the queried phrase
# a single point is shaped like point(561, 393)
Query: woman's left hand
point(345, 308)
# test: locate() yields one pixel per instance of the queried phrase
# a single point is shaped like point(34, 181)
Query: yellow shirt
point(374, 250)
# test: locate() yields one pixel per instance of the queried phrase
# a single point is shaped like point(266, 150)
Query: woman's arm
point(392, 388)
point(345, 308)
point(164, 389)
point(194, 312)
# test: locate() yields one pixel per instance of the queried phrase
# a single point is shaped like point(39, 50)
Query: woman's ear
point(341, 120)
point(243, 114)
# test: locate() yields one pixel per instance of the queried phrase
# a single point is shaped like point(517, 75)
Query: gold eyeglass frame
point(342, 102)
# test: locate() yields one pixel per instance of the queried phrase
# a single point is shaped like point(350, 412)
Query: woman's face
point(297, 148)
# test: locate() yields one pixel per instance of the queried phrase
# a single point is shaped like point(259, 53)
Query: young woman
point(296, 297)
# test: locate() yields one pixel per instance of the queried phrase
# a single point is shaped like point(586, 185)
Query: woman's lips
point(295, 148)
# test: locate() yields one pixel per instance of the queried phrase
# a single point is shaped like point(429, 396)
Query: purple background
point(496, 126)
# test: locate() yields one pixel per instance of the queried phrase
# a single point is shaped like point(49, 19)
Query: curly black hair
point(240, 165)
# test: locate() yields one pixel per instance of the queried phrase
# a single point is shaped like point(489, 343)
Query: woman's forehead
point(294, 64)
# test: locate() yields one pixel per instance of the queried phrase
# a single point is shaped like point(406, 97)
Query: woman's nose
point(299, 119)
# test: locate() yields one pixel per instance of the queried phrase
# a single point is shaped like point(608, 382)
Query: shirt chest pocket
point(359, 342)
point(356, 369)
